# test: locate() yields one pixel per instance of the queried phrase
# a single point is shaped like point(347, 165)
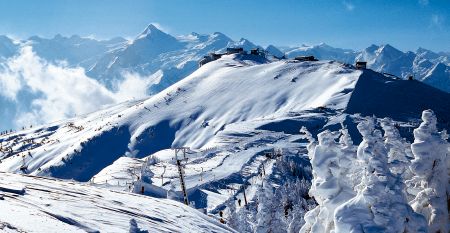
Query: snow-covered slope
point(189, 113)
point(38, 204)
point(231, 113)
point(194, 110)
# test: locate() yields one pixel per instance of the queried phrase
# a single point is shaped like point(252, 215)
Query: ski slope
point(66, 206)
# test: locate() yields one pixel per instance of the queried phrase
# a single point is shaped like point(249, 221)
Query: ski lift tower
point(178, 149)
point(181, 171)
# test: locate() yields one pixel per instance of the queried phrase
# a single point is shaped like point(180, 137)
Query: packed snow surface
point(38, 204)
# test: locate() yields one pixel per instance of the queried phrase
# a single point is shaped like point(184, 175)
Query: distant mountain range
point(162, 59)
point(177, 56)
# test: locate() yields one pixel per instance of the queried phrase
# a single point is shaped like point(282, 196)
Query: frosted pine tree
point(312, 141)
point(396, 147)
point(329, 186)
point(268, 206)
point(379, 193)
point(350, 172)
point(430, 181)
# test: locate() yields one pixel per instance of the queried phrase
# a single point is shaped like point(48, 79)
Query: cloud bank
point(56, 91)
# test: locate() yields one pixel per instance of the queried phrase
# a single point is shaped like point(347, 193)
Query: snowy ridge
point(181, 116)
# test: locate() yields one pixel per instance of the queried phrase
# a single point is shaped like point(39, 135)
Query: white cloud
point(437, 21)
point(348, 5)
point(135, 86)
point(424, 2)
point(59, 91)
point(9, 84)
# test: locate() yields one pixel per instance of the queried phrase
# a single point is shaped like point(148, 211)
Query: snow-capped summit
point(245, 44)
point(153, 32)
point(271, 49)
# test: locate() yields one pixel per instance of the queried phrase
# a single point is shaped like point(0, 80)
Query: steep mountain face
point(274, 51)
point(165, 59)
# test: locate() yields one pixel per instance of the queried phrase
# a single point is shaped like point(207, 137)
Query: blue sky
point(406, 24)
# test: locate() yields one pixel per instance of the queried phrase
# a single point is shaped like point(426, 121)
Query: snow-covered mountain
point(165, 59)
point(231, 112)
point(75, 50)
point(155, 60)
point(386, 59)
point(322, 51)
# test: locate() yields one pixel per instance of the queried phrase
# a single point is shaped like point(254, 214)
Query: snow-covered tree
point(171, 193)
point(144, 176)
point(380, 204)
point(268, 206)
point(329, 186)
point(430, 169)
point(312, 141)
point(349, 172)
point(238, 219)
point(396, 146)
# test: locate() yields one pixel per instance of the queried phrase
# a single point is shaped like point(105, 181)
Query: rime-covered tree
point(330, 187)
point(396, 146)
point(378, 194)
point(430, 169)
point(265, 216)
point(312, 141)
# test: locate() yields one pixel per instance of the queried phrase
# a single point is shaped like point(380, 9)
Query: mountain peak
point(151, 30)
point(151, 27)
point(388, 47)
